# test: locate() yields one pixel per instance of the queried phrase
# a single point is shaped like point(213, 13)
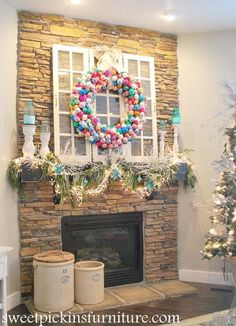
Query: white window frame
point(152, 98)
point(56, 112)
point(92, 152)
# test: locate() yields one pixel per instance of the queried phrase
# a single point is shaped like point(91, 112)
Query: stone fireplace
point(39, 217)
point(40, 223)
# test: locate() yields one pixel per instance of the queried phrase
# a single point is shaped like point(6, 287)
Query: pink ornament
point(76, 118)
point(107, 73)
point(99, 144)
point(82, 98)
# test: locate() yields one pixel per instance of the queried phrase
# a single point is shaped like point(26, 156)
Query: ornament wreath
point(86, 122)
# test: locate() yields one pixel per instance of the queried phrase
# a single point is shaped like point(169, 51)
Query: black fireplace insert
point(114, 239)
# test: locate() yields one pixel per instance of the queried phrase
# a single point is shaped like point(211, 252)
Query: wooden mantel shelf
point(36, 175)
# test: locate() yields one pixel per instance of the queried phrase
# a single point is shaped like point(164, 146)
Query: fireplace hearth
point(114, 239)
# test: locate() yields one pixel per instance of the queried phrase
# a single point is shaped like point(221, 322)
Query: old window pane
point(64, 80)
point(147, 128)
point(133, 67)
point(77, 61)
point(146, 85)
point(148, 147)
point(136, 147)
point(65, 145)
point(101, 104)
point(63, 60)
point(114, 121)
point(64, 102)
point(75, 77)
point(144, 69)
point(114, 105)
point(65, 124)
point(149, 108)
point(80, 146)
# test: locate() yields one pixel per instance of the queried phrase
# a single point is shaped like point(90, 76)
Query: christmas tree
point(221, 239)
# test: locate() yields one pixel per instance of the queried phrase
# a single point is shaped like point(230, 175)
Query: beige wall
point(9, 235)
point(206, 62)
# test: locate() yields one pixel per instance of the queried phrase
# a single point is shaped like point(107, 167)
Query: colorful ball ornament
point(87, 124)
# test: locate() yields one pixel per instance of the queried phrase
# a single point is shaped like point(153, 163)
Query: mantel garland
point(73, 183)
point(87, 124)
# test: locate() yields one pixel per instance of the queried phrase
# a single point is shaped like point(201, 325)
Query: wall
point(9, 234)
point(206, 62)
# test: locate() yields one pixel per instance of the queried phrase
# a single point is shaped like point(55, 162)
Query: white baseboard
point(13, 300)
point(189, 275)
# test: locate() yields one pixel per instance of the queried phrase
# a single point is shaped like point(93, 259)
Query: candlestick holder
point(162, 131)
point(28, 147)
point(45, 138)
point(176, 140)
point(162, 143)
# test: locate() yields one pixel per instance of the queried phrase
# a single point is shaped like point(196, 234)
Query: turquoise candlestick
point(176, 118)
point(29, 115)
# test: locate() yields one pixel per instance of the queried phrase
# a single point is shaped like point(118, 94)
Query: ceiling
point(194, 16)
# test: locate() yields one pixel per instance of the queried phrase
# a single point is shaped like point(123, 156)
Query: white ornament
point(213, 231)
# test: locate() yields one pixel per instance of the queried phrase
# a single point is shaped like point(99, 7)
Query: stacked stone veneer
point(40, 226)
point(39, 218)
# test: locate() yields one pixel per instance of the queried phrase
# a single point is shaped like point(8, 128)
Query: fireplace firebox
point(114, 239)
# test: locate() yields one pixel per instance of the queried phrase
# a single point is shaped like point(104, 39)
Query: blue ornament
point(116, 174)
point(58, 169)
point(119, 81)
point(141, 98)
point(149, 185)
point(79, 129)
point(96, 137)
point(85, 181)
point(139, 178)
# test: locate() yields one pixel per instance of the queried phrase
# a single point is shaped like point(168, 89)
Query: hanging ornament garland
point(86, 122)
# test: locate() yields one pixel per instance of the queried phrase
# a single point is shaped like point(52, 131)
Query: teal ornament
point(176, 118)
point(149, 185)
point(85, 182)
point(116, 174)
point(58, 169)
point(139, 179)
point(132, 91)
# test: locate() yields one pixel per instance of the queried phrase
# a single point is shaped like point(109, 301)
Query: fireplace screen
point(115, 239)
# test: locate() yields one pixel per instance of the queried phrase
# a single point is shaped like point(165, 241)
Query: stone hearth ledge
point(131, 294)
